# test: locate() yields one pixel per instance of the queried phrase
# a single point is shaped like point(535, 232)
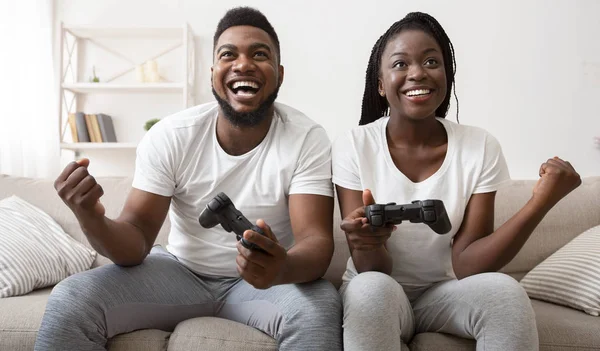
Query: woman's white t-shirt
point(474, 163)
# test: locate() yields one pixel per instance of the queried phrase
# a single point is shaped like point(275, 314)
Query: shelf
point(97, 146)
point(117, 32)
point(86, 88)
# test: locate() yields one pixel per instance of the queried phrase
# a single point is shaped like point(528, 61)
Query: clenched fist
point(80, 191)
point(557, 179)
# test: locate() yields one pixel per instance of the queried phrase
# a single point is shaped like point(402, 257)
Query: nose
point(416, 73)
point(243, 64)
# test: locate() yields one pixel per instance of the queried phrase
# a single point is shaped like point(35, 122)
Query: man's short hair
point(246, 16)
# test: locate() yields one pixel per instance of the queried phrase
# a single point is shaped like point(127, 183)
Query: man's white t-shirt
point(180, 157)
point(474, 163)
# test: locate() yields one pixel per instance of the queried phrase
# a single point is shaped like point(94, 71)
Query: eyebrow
point(252, 47)
point(401, 53)
point(227, 46)
point(260, 46)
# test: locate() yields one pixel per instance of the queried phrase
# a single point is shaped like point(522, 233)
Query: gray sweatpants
point(88, 308)
point(491, 308)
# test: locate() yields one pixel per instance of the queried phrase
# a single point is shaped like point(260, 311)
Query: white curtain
point(29, 131)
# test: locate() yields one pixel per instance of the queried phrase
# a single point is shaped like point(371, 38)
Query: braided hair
point(375, 106)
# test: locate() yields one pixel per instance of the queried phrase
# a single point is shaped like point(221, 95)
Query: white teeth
point(247, 84)
point(418, 92)
point(244, 93)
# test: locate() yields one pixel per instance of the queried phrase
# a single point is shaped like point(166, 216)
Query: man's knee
point(321, 295)
point(78, 290)
point(317, 301)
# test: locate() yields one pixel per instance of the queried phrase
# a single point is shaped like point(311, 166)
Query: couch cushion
point(565, 329)
point(570, 276)
point(141, 340)
point(574, 214)
point(20, 319)
point(217, 334)
point(35, 252)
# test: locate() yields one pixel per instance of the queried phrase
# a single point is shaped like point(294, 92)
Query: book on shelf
point(95, 128)
point(107, 130)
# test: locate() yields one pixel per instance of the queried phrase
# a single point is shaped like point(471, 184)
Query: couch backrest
point(579, 211)
point(41, 193)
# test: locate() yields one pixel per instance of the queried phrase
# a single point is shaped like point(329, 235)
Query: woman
point(407, 279)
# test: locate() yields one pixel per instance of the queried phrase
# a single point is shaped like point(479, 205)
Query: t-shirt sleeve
point(154, 164)
point(494, 172)
point(345, 164)
point(313, 172)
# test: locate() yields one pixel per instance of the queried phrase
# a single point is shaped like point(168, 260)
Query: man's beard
point(246, 119)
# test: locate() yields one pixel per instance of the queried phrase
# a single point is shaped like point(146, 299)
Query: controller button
point(377, 220)
point(429, 216)
point(428, 203)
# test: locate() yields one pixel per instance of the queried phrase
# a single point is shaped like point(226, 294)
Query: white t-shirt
point(474, 163)
point(180, 157)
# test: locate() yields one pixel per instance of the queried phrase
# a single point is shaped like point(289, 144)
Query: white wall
point(527, 71)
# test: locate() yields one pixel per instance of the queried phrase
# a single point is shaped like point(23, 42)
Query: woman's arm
point(478, 248)
point(366, 243)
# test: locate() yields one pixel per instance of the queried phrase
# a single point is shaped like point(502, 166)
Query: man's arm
point(126, 240)
point(312, 224)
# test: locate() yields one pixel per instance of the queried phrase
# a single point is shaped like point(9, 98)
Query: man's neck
point(238, 140)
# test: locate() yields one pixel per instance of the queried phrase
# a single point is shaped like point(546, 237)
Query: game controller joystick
point(221, 210)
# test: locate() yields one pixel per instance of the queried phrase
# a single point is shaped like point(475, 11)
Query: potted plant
point(150, 123)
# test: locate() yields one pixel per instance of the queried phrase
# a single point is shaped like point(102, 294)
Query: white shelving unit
point(89, 88)
point(96, 146)
point(72, 85)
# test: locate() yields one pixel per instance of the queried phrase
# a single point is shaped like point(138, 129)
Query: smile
point(418, 92)
point(244, 88)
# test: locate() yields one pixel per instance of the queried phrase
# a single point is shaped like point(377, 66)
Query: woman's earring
point(382, 93)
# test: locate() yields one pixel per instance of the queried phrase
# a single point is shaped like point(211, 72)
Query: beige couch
point(560, 328)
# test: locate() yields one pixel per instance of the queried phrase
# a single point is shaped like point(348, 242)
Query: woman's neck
point(404, 132)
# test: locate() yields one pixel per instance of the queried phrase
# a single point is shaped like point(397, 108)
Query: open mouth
point(418, 92)
point(244, 88)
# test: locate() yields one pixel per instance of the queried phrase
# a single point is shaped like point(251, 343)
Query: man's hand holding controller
point(261, 259)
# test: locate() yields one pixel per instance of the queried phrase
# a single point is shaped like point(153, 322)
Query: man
point(271, 160)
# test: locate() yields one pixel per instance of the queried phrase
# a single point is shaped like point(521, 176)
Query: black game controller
point(220, 210)
point(431, 212)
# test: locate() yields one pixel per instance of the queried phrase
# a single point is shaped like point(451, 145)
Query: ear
point(380, 87)
point(281, 71)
